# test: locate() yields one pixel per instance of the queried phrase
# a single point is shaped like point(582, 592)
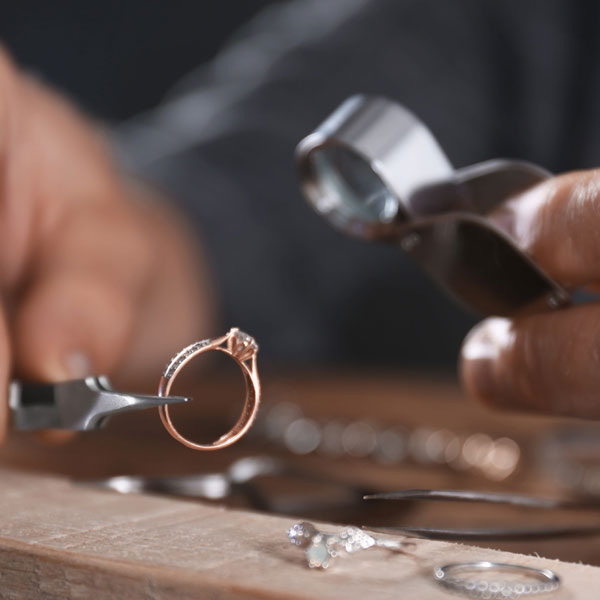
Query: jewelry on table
point(243, 349)
point(529, 580)
point(320, 547)
point(285, 425)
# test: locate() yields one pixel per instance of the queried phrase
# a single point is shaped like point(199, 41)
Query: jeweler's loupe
point(375, 171)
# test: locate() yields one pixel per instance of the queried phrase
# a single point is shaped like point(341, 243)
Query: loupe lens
point(347, 184)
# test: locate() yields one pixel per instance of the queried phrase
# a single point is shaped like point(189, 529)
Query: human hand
point(548, 362)
point(96, 276)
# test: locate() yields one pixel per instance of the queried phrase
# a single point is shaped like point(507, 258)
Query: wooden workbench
point(60, 539)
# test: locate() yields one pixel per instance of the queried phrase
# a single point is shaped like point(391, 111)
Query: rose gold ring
point(243, 349)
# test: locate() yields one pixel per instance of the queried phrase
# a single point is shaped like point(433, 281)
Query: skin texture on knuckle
point(551, 366)
point(543, 363)
point(525, 365)
point(557, 223)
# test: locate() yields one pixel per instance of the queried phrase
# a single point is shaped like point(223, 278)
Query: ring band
point(243, 349)
point(546, 580)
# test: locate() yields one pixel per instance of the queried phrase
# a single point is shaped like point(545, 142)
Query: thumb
point(77, 316)
point(70, 326)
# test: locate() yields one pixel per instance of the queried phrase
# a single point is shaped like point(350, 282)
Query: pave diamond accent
point(353, 539)
point(320, 548)
point(181, 356)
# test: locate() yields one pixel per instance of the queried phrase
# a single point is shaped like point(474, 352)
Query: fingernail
point(520, 217)
point(78, 365)
point(74, 365)
point(504, 220)
point(480, 353)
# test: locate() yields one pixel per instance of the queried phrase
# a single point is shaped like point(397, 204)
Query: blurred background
point(516, 79)
point(113, 58)
point(490, 79)
point(117, 61)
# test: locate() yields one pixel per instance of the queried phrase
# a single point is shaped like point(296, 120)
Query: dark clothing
point(491, 79)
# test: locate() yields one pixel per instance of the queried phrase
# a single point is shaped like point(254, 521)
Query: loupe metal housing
point(375, 171)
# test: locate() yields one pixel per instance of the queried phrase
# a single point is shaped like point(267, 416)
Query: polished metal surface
point(242, 480)
point(210, 486)
point(488, 580)
point(492, 533)
point(79, 405)
point(486, 497)
point(504, 534)
point(375, 171)
point(360, 166)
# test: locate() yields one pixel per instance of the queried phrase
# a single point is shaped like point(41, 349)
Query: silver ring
point(532, 581)
point(320, 547)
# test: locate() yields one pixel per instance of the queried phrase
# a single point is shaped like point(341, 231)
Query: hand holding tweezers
point(78, 405)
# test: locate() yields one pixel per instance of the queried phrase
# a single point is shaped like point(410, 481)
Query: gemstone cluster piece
point(319, 548)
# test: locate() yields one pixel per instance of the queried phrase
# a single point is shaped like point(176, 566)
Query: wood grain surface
point(62, 539)
point(65, 541)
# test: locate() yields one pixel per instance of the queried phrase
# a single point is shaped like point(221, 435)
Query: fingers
point(547, 362)
point(77, 314)
point(71, 326)
point(92, 281)
point(556, 222)
point(4, 376)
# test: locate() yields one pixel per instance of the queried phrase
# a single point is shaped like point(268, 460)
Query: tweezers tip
point(382, 496)
point(173, 399)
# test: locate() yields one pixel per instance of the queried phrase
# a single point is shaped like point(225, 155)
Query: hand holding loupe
point(375, 171)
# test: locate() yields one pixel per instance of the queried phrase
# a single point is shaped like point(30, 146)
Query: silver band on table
point(544, 580)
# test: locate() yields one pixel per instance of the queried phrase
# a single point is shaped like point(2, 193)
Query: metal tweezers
point(78, 405)
point(492, 533)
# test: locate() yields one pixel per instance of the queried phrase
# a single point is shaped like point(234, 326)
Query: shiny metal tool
point(241, 480)
point(78, 405)
point(517, 532)
point(375, 171)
